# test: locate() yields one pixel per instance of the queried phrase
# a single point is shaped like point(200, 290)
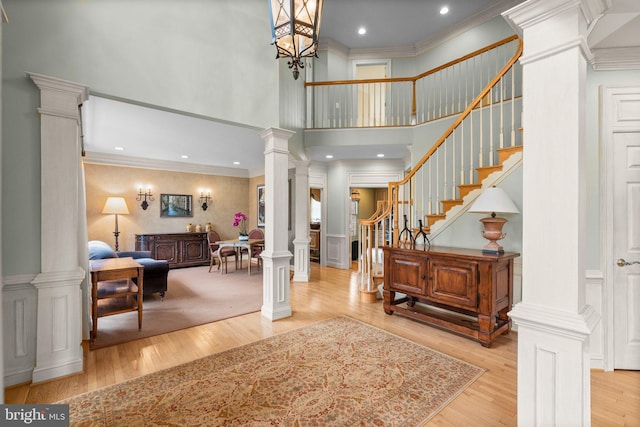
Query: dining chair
point(212, 238)
point(256, 250)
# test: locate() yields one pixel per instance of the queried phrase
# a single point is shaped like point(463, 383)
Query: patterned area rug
point(338, 372)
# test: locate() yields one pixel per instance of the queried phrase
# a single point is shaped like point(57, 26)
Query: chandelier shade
point(295, 26)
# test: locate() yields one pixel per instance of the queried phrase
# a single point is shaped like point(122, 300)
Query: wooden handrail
point(454, 125)
point(419, 76)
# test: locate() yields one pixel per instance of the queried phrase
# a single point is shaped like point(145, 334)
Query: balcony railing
point(406, 101)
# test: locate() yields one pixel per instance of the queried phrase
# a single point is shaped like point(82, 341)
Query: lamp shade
point(494, 200)
point(115, 205)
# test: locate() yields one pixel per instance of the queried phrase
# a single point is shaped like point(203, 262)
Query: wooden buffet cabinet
point(179, 249)
point(462, 290)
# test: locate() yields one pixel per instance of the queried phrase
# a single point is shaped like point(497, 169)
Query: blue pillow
point(100, 250)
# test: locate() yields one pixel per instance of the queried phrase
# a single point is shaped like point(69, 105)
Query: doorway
point(364, 202)
point(622, 173)
point(371, 100)
point(315, 223)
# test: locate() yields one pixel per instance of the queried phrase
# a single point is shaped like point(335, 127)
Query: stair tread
point(489, 167)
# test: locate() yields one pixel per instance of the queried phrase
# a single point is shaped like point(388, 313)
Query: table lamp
point(117, 206)
point(493, 200)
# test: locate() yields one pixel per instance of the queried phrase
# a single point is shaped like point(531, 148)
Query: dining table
point(238, 245)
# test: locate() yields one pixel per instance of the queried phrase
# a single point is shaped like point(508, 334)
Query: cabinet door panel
point(454, 283)
point(193, 251)
point(167, 250)
point(503, 277)
point(408, 274)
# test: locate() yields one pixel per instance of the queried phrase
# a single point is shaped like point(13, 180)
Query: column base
point(276, 302)
point(59, 324)
point(553, 365)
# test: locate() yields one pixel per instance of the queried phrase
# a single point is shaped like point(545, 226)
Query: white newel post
point(554, 323)
point(275, 257)
point(301, 241)
point(59, 324)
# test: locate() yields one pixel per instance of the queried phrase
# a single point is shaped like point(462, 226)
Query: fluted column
point(554, 323)
point(301, 240)
point(275, 257)
point(59, 324)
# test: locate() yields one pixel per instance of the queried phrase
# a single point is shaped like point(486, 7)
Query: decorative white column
point(301, 241)
point(59, 325)
point(275, 257)
point(554, 322)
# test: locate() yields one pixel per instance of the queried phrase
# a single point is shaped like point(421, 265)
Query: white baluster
point(513, 106)
point(491, 127)
point(462, 151)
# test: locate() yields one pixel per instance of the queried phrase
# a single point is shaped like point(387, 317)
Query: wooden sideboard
point(179, 249)
point(462, 290)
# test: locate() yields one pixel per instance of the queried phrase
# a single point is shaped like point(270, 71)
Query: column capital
point(533, 12)
point(543, 18)
point(276, 133)
point(59, 97)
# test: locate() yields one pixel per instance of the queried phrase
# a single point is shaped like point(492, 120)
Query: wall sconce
point(205, 199)
point(144, 195)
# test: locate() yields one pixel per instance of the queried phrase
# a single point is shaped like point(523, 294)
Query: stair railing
point(443, 91)
point(453, 166)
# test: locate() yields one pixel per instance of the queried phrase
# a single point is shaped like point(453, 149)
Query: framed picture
point(174, 205)
point(261, 222)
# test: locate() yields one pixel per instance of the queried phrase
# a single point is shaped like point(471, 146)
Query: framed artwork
point(261, 222)
point(176, 205)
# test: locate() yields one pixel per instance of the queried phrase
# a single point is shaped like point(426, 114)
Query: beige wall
point(229, 195)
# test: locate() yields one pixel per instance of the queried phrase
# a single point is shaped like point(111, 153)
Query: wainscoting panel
point(19, 306)
point(336, 256)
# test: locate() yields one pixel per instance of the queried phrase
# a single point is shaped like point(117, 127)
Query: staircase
point(480, 147)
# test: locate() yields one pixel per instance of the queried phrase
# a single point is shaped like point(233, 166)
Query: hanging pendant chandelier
point(295, 25)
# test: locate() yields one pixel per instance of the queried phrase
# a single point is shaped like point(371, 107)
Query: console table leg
point(486, 325)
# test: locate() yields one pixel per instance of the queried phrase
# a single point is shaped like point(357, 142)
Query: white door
point(372, 97)
point(626, 226)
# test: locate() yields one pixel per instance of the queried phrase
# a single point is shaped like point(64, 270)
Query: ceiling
point(134, 128)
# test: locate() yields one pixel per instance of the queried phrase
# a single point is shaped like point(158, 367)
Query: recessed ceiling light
point(118, 148)
point(362, 31)
point(184, 156)
point(380, 155)
point(444, 10)
point(329, 156)
point(236, 163)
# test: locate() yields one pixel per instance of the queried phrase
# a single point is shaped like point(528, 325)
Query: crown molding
point(465, 25)
point(616, 59)
point(383, 52)
point(328, 43)
point(137, 162)
point(422, 46)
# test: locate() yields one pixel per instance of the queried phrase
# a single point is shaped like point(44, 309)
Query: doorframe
point(319, 181)
point(358, 62)
point(365, 179)
point(608, 129)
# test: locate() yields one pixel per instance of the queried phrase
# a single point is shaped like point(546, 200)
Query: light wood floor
point(490, 401)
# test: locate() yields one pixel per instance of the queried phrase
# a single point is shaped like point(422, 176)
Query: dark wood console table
point(463, 290)
point(179, 249)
